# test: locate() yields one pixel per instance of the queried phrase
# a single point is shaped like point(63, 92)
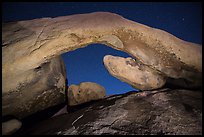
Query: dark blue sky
point(183, 20)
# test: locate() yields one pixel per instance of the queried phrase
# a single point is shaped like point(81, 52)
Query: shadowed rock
point(11, 126)
point(157, 112)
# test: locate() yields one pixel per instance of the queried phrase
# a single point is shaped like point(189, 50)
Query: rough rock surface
point(85, 92)
point(46, 89)
point(133, 73)
point(29, 46)
point(11, 126)
point(39, 40)
point(158, 112)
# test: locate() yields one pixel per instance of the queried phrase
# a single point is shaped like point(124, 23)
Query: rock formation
point(50, 37)
point(85, 92)
point(11, 126)
point(143, 77)
point(33, 77)
point(43, 87)
point(157, 112)
point(136, 74)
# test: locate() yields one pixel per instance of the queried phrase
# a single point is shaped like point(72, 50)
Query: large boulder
point(157, 112)
point(43, 87)
point(133, 73)
point(85, 92)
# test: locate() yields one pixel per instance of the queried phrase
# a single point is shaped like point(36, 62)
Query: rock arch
point(28, 46)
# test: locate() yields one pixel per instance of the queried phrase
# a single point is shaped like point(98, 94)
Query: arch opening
point(86, 65)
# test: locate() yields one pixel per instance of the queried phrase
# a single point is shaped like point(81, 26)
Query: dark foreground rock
point(157, 112)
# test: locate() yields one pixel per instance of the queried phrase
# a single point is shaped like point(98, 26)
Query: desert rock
point(11, 126)
point(157, 112)
point(29, 46)
point(133, 73)
point(85, 92)
point(44, 87)
point(50, 37)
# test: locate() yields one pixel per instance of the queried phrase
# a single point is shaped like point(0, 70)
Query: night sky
point(183, 20)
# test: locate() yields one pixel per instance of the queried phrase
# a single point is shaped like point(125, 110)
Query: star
point(183, 19)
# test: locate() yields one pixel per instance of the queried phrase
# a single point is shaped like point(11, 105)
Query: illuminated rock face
point(29, 46)
point(136, 74)
point(46, 89)
point(85, 92)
